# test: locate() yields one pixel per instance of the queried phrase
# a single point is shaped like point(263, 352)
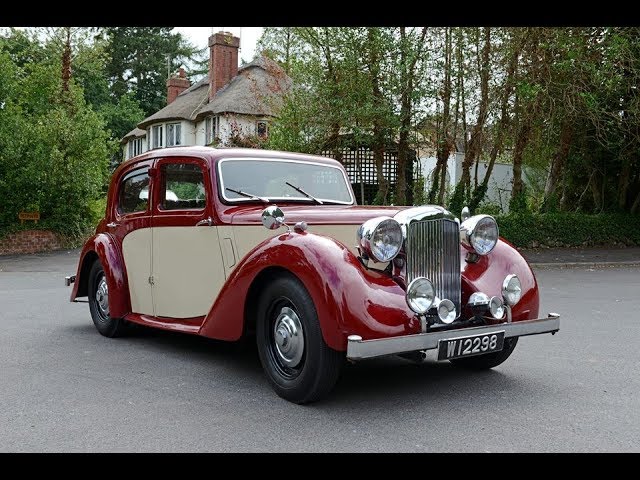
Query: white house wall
point(246, 125)
point(500, 183)
point(192, 133)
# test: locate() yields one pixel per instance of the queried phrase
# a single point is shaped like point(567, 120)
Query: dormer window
point(262, 129)
point(174, 131)
point(210, 130)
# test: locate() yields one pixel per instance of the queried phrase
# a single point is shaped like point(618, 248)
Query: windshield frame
point(301, 199)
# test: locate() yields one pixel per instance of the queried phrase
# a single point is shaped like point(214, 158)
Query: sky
point(249, 36)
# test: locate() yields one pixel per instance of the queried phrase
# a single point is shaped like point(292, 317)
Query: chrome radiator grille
point(433, 251)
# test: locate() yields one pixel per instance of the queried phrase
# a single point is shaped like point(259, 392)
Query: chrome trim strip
point(274, 199)
point(358, 349)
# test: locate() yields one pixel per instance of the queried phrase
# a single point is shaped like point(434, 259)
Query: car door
point(130, 225)
point(187, 266)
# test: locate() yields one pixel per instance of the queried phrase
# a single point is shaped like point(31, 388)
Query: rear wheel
point(489, 360)
point(298, 363)
point(99, 303)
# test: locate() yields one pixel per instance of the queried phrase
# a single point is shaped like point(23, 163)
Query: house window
point(130, 149)
point(157, 136)
point(148, 139)
point(262, 129)
point(137, 147)
point(211, 130)
point(173, 134)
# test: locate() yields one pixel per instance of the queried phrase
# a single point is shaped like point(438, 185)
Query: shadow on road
point(386, 381)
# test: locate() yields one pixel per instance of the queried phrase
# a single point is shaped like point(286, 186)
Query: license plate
point(469, 346)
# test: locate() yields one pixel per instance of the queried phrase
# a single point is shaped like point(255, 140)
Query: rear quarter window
point(133, 194)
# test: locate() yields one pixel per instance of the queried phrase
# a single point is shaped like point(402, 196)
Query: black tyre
point(298, 363)
point(489, 360)
point(99, 304)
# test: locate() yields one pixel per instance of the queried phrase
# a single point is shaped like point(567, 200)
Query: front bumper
point(358, 349)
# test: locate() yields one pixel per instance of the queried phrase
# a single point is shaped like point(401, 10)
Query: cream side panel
point(136, 249)
point(248, 237)
point(188, 272)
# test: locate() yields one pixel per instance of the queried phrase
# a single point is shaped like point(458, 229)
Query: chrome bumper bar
point(358, 349)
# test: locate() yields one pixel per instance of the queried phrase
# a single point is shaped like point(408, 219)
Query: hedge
point(569, 229)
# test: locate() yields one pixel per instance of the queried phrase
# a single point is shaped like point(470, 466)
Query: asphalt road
point(63, 387)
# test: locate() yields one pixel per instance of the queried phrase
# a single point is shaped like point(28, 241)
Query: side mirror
point(272, 217)
point(465, 214)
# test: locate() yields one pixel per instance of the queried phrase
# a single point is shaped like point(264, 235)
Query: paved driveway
point(63, 387)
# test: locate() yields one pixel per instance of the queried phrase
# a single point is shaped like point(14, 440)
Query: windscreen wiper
point(248, 195)
point(319, 202)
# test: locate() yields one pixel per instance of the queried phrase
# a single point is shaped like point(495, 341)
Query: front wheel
point(299, 365)
point(99, 303)
point(489, 360)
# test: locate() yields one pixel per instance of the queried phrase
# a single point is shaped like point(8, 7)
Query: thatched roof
point(135, 133)
point(184, 106)
point(256, 90)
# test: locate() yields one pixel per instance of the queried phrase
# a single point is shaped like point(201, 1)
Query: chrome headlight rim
point(411, 295)
point(368, 231)
point(469, 234)
point(510, 294)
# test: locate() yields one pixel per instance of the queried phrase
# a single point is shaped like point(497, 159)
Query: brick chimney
point(176, 85)
point(223, 60)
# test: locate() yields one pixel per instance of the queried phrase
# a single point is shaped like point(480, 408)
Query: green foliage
point(569, 229)
point(138, 59)
point(53, 149)
point(121, 117)
point(419, 192)
point(518, 204)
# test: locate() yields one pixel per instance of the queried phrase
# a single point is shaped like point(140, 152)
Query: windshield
point(268, 179)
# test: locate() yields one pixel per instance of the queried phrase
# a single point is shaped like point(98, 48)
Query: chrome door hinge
point(151, 282)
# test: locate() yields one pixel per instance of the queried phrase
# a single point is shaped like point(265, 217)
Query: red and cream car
point(183, 246)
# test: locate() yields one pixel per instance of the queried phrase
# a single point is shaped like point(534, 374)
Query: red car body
point(351, 299)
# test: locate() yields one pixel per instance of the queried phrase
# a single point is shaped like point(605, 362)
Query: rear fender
point(103, 247)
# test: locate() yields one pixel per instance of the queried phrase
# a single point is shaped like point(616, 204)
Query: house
point(229, 104)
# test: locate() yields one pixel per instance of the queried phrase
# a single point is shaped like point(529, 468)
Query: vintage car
point(336, 281)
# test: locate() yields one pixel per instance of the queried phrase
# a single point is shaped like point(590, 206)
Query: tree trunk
point(408, 60)
point(559, 160)
point(66, 60)
point(472, 153)
point(382, 196)
point(442, 153)
point(636, 204)
point(522, 140)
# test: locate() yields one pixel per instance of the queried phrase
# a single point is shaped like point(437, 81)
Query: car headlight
point(511, 290)
point(420, 295)
point(479, 233)
point(380, 238)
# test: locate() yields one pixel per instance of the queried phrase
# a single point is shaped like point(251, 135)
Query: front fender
point(487, 274)
point(349, 299)
point(103, 247)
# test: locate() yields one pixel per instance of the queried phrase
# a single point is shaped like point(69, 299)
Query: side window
point(134, 192)
point(183, 187)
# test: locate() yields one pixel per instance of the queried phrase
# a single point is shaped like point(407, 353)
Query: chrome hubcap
point(102, 297)
point(289, 338)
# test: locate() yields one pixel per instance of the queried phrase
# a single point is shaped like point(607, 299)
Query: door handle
point(112, 224)
point(207, 221)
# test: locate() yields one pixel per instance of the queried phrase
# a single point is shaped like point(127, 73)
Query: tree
point(140, 59)
point(57, 164)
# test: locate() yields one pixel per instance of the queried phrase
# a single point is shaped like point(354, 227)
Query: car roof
point(213, 155)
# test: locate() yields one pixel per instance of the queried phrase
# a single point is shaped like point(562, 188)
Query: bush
point(527, 230)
